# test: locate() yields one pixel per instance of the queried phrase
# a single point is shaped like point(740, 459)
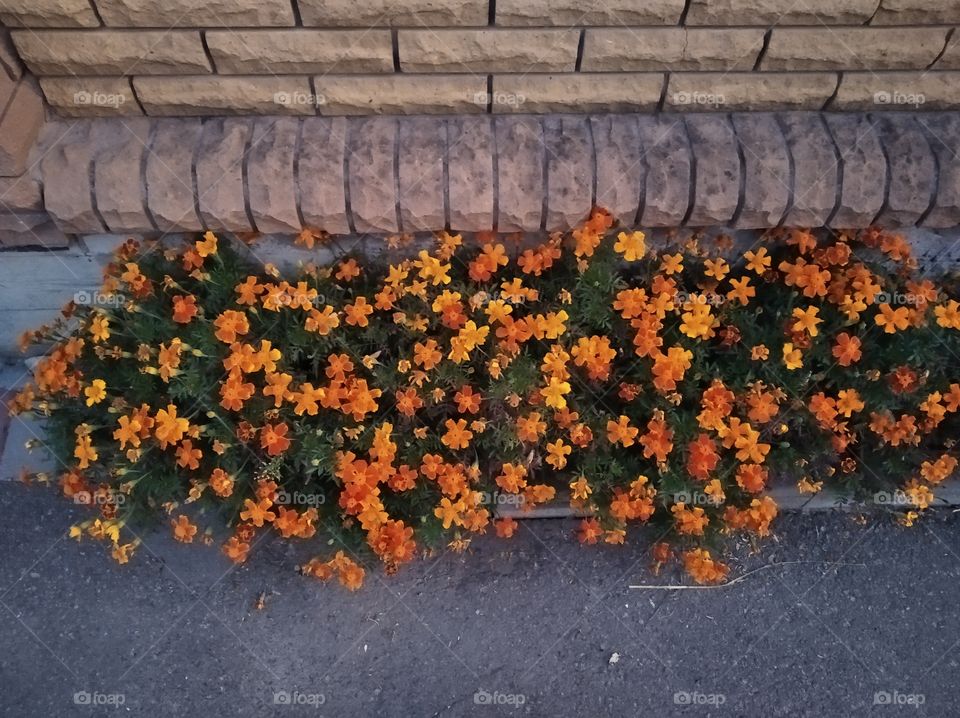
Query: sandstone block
point(780, 12)
point(488, 50)
point(900, 91)
point(421, 154)
point(401, 94)
point(766, 170)
point(579, 92)
point(717, 178)
point(864, 170)
point(271, 184)
point(47, 13)
point(816, 169)
point(91, 96)
point(621, 168)
point(950, 60)
point(674, 49)
point(570, 171)
point(19, 127)
point(470, 142)
point(573, 13)
point(219, 170)
point(196, 13)
point(669, 169)
point(384, 13)
point(300, 52)
point(520, 174)
point(943, 134)
point(118, 184)
point(853, 48)
point(9, 59)
point(65, 169)
point(372, 175)
point(219, 95)
point(917, 12)
point(112, 52)
point(320, 174)
point(20, 194)
point(47, 236)
point(749, 91)
point(913, 169)
point(171, 195)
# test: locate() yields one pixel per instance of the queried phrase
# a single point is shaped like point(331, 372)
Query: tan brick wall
point(357, 57)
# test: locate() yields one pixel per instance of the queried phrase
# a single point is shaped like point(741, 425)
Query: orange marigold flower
point(702, 457)
point(348, 270)
point(322, 321)
point(234, 391)
point(512, 478)
point(752, 477)
point(468, 401)
point(358, 312)
point(892, 320)
point(846, 350)
point(948, 315)
point(408, 401)
point(620, 431)
point(703, 568)
point(690, 521)
point(658, 440)
point(273, 438)
point(457, 435)
point(427, 355)
point(169, 428)
point(669, 369)
point(183, 530)
point(184, 309)
point(596, 354)
point(230, 325)
point(221, 483)
point(236, 550)
point(589, 532)
point(506, 528)
point(257, 512)
point(393, 542)
point(187, 456)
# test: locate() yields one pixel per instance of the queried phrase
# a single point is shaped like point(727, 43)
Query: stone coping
point(385, 175)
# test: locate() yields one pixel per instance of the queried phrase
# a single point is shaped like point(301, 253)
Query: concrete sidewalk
point(839, 619)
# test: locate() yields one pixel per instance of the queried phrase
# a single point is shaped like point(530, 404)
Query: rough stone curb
point(384, 175)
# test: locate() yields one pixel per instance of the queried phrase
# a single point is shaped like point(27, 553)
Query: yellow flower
point(96, 392)
point(207, 246)
point(758, 261)
point(792, 358)
point(697, 321)
point(632, 246)
point(100, 329)
point(807, 320)
point(553, 393)
point(580, 490)
point(716, 268)
point(672, 264)
point(557, 453)
point(432, 269)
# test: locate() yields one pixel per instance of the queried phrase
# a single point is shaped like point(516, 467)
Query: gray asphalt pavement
point(836, 619)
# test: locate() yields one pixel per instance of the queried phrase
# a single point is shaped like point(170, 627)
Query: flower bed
point(395, 406)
